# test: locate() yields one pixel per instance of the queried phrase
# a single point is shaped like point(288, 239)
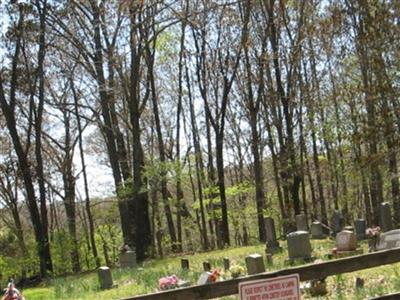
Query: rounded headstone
point(105, 278)
point(346, 241)
point(299, 246)
point(317, 231)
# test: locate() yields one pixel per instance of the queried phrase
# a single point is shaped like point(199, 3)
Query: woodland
point(209, 116)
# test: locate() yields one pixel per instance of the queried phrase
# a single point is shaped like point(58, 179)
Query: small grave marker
point(255, 264)
point(105, 278)
point(184, 264)
point(272, 243)
point(204, 278)
point(385, 217)
point(299, 246)
point(301, 222)
point(127, 259)
point(360, 226)
point(389, 240)
point(346, 241)
point(337, 221)
point(227, 264)
point(206, 266)
point(317, 231)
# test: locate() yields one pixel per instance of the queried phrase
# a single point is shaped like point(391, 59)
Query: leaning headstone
point(389, 240)
point(105, 278)
point(184, 264)
point(301, 222)
point(204, 278)
point(337, 221)
point(385, 217)
point(272, 243)
point(317, 231)
point(360, 226)
point(206, 266)
point(299, 246)
point(346, 241)
point(127, 259)
point(255, 264)
point(227, 264)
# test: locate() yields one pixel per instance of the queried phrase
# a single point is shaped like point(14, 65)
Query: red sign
point(279, 288)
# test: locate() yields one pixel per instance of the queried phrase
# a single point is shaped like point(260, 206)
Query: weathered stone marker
point(184, 264)
point(360, 226)
point(301, 222)
point(127, 259)
point(346, 241)
point(270, 260)
point(385, 217)
point(389, 240)
point(255, 264)
point(337, 221)
point(206, 266)
point(105, 278)
point(227, 264)
point(299, 246)
point(272, 243)
point(204, 278)
point(317, 231)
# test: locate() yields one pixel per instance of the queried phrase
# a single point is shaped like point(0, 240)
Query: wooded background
point(211, 115)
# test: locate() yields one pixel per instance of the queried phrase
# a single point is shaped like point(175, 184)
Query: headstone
point(127, 259)
point(272, 243)
point(360, 226)
point(346, 241)
point(105, 278)
point(385, 217)
point(299, 246)
point(389, 240)
point(317, 231)
point(301, 222)
point(359, 283)
point(227, 264)
point(255, 264)
point(206, 266)
point(204, 278)
point(184, 264)
point(337, 221)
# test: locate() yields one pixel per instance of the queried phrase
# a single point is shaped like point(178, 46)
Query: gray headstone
point(105, 278)
point(127, 259)
point(204, 278)
point(337, 221)
point(360, 226)
point(206, 266)
point(346, 241)
point(184, 264)
point(227, 264)
point(385, 217)
point(389, 240)
point(301, 222)
point(272, 243)
point(255, 264)
point(299, 246)
point(317, 231)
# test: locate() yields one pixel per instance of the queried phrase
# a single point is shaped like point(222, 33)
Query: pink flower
point(168, 282)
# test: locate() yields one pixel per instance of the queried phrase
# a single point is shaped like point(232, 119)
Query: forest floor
point(144, 279)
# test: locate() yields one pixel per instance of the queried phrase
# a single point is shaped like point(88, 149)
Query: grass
point(144, 279)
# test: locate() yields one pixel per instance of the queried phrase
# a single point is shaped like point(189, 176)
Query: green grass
point(378, 281)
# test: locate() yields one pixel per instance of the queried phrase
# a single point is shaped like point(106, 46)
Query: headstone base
point(343, 254)
point(299, 260)
point(273, 247)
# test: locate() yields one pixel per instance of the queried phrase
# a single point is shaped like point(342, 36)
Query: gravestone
point(346, 241)
point(204, 278)
point(105, 278)
point(337, 221)
point(299, 246)
point(127, 259)
point(184, 264)
point(270, 260)
point(301, 222)
point(255, 264)
point(360, 226)
point(227, 264)
point(385, 217)
point(317, 231)
point(389, 240)
point(206, 266)
point(272, 243)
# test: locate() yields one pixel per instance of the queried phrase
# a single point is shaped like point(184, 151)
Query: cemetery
point(342, 265)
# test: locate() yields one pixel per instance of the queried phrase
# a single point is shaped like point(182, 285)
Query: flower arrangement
point(236, 271)
point(213, 276)
point(168, 282)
